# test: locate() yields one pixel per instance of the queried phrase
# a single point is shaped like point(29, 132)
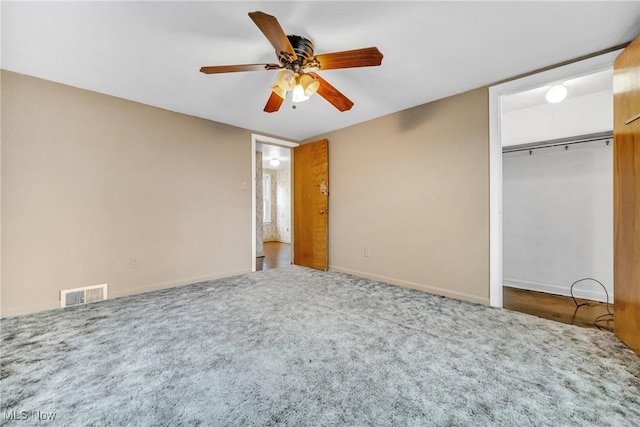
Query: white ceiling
point(151, 52)
point(599, 81)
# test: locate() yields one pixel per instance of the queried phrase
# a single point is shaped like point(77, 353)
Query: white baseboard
point(173, 284)
point(413, 285)
point(29, 309)
point(578, 292)
point(35, 308)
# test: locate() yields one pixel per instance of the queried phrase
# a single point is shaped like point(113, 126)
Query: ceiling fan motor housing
point(303, 48)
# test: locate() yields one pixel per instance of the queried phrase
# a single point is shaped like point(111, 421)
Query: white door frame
point(565, 72)
point(256, 138)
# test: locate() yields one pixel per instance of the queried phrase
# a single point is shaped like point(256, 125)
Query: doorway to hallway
point(272, 202)
point(276, 254)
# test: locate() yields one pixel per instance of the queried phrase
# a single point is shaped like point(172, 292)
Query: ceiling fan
point(298, 64)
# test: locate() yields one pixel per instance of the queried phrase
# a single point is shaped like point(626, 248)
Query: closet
point(557, 187)
point(558, 216)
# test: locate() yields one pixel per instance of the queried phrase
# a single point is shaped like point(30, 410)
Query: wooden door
point(311, 204)
point(626, 195)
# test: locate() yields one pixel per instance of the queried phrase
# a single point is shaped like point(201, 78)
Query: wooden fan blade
point(367, 57)
point(274, 103)
point(215, 69)
point(272, 30)
point(333, 95)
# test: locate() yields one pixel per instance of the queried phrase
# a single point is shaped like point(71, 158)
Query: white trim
point(495, 200)
point(412, 285)
point(253, 204)
point(255, 139)
point(273, 141)
point(176, 283)
point(572, 70)
point(597, 295)
point(34, 308)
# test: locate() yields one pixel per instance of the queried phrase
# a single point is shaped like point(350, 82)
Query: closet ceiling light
point(556, 93)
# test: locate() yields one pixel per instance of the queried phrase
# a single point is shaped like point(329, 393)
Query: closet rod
point(602, 136)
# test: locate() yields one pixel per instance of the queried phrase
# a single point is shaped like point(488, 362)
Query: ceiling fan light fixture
point(286, 80)
point(556, 93)
point(298, 94)
point(275, 162)
point(309, 84)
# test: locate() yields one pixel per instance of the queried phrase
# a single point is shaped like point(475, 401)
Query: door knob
point(322, 212)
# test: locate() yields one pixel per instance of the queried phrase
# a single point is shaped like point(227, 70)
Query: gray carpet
point(300, 347)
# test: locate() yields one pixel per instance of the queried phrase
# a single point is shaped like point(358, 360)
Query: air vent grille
point(84, 295)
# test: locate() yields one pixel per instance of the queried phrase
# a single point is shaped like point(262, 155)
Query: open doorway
point(558, 229)
point(272, 202)
point(551, 192)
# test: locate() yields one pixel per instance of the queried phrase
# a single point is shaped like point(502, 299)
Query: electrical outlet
point(134, 262)
point(367, 253)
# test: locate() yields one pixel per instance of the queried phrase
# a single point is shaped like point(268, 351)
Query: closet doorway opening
point(558, 229)
point(552, 194)
point(273, 231)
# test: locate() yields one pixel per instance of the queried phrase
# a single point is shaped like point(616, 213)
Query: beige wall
point(91, 181)
point(413, 188)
